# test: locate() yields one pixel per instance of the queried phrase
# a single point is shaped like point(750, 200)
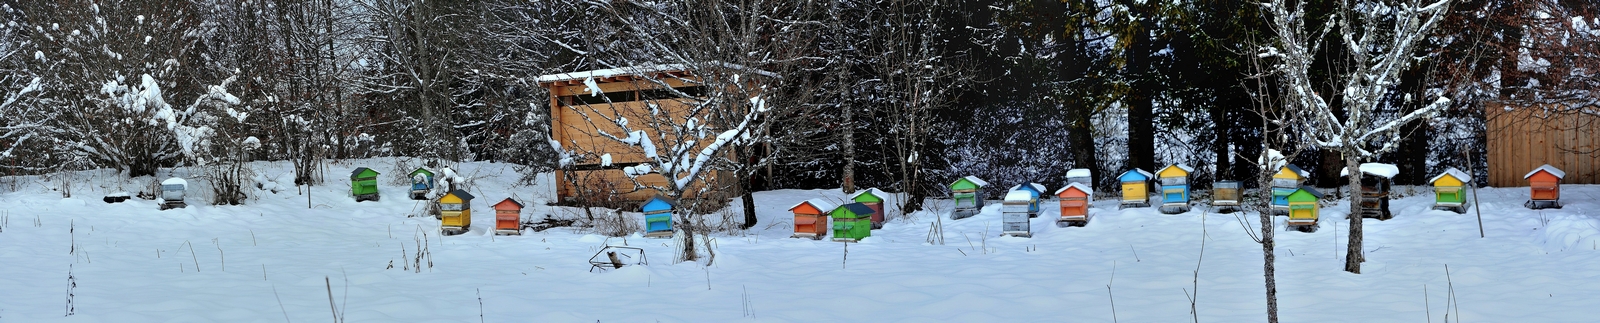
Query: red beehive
point(811, 218)
point(1544, 185)
point(508, 217)
point(1074, 203)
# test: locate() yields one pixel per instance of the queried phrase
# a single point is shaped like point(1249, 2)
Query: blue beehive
point(1175, 188)
point(421, 183)
point(658, 216)
point(1035, 191)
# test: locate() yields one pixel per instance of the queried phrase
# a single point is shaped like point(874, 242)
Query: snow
point(1552, 169)
point(175, 181)
point(593, 88)
point(820, 203)
point(1019, 196)
point(1036, 187)
point(637, 170)
point(1080, 186)
point(588, 76)
point(1376, 169)
point(262, 262)
point(605, 160)
point(1078, 172)
point(1453, 172)
point(977, 181)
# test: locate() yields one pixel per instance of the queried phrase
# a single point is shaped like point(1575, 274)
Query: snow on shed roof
point(1376, 169)
point(1036, 187)
point(1079, 172)
point(976, 180)
point(1552, 169)
point(1080, 186)
point(819, 203)
point(175, 181)
point(1457, 173)
point(638, 70)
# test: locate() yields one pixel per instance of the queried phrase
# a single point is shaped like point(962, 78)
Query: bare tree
point(1380, 39)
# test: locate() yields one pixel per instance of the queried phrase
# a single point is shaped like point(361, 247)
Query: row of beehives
point(455, 206)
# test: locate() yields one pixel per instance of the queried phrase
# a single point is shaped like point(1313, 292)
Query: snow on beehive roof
point(1552, 169)
point(1375, 169)
point(1080, 186)
point(875, 191)
point(1141, 172)
point(175, 181)
point(1079, 172)
point(1019, 196)
point(1036, 187)
point(1185, 168)
point(977, 181)
point(819, 203)
point(1457, 173)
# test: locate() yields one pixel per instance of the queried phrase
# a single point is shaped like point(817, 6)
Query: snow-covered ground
point(275, 257)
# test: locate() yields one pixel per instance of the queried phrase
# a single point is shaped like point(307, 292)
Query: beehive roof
point(1185, 168)
point(175, 181)
point(858, 208)
point(1079, 172)
point(354, 174)
point(1147, 175)
point(821, 204)
point(1375, 169)
point(1311, 190)
point(1453, 172)
point(463, 195)
point(1037, 188)
point(508, 200)
point(1081, 187)
point(421, 170)
point(874, 191)
point(1551, 169)
point(1016, 195)
point(976, 181)
point(1296, 169)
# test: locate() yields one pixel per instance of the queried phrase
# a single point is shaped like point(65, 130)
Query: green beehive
point(852, 222)
point(364, 184)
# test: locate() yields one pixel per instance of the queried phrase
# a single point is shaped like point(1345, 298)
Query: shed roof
point(821, 205)
point(1080, 186)
point(1453, 172)
point(1552, 169)
point(605, 75)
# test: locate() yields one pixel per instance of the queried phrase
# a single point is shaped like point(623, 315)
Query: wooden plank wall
point(1523, 138)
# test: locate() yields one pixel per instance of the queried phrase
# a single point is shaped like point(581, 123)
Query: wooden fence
point(1523, 138)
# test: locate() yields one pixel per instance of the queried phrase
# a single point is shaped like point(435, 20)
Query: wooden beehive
point(872, 198)
point(1376, 179)
point(455, 212)
point(811, 218)
point(508, 217)
point(1016, 208)
point(1544, 187)
point(851, 222)
point(1303, 209)
point(967, 193)
point(1174, 181)
point(1036, 191)
point(1135, 188)
point(421, 183)
point(1075, 200)
point(1449, 190)
point(658, 216)
point(364, 184)
point(1288, 179)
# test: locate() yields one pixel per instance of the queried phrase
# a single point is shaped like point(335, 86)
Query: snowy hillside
point(275, 259)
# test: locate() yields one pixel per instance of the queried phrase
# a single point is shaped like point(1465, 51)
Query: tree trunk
point(849, 149)
point(749, 206)
point(1268, 253)
point(1353, 257)
point(1141, 104)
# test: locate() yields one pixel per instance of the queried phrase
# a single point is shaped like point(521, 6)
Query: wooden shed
point(967, 193)
point(508, 217)
point(364, 184)
point(1524, 137)
point(599, 168)
point(811, 218)
point(872, 198)
point(455, 212)
point(1448, 190)
point(1544, 187)
point(1075, 200)
point(1174, 181)
point(1135, 188)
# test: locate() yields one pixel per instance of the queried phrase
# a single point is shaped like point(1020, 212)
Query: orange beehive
point(508, 217)
point(1544, 184)
point(811, 218)
point(1075, 203)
